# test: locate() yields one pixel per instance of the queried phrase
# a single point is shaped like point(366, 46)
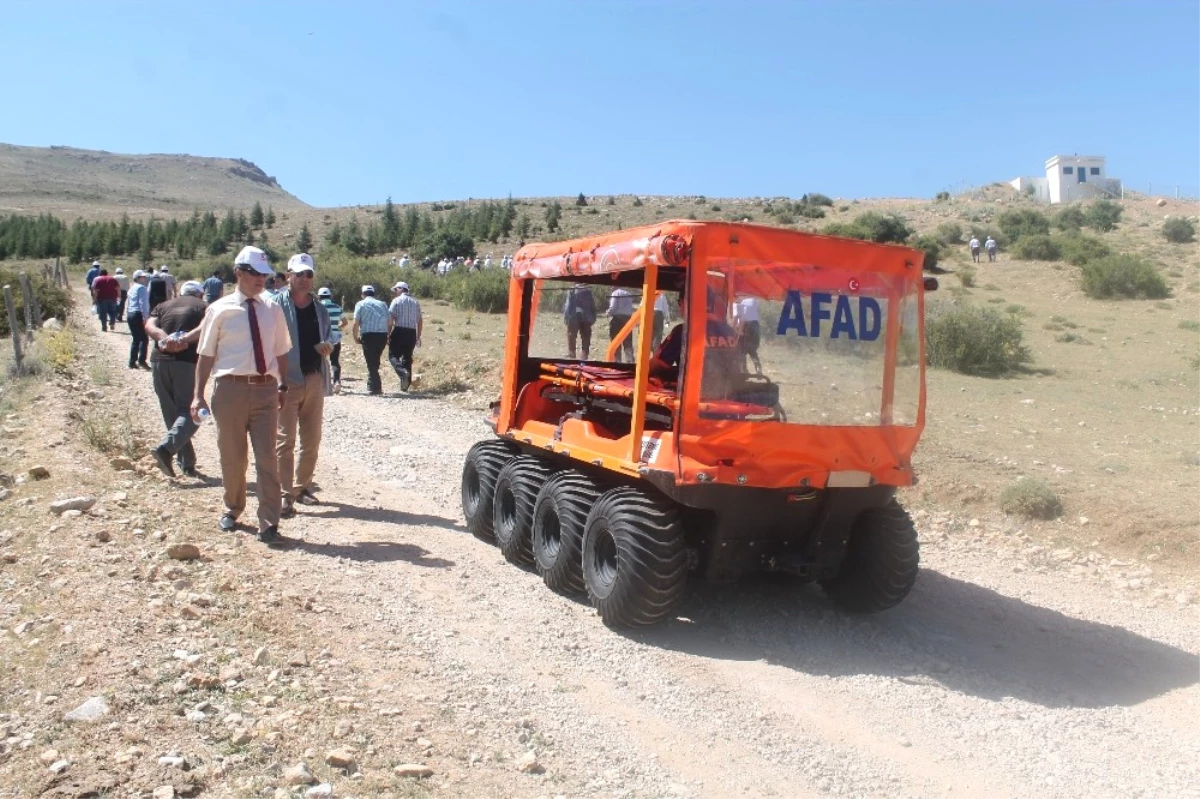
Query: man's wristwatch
point(283, 389)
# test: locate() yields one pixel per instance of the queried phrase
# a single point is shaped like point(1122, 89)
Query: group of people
point(444, 266)
point(989, 245)
point(396, 327)
point(272, 359)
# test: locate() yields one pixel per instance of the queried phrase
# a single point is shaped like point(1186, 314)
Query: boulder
point(92, 710)
point(74, 503)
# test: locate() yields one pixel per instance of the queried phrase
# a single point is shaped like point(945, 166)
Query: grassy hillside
point(68, 182)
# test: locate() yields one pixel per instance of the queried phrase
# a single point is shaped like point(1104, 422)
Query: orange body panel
point(699, 450)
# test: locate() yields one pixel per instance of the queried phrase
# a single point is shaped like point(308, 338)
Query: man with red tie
point(244, 342)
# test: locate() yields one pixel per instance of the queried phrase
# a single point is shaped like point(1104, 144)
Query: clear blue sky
point(350, 102)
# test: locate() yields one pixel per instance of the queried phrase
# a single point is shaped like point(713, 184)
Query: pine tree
point(270, 216)
point(522, 227)
point(256, 216)
point(581, 200)
point(390, 235)
point(304, 239)
point(553, 213)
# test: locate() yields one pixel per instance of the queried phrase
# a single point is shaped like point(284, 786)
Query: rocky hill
point(69, 182)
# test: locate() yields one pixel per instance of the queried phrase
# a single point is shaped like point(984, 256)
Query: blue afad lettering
point(840, 317)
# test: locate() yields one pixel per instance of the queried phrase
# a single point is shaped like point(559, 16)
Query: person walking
point(308, 384)
point(579, 312)
point(105, 293)
point(92, 274)
point(243, 346)
point(325, 295)
point(990, 246)
point(620, 309)
point(165, 273)
point(174, 326)
point(214, 287)
point(156, 288)
point(371, 326)
point(137, 311)
point(974, 245)
point(405, 323)
point(122, 281)
point(746, 322)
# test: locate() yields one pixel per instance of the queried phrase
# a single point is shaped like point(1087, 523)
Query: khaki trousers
point(241, 410)
point(304, 409)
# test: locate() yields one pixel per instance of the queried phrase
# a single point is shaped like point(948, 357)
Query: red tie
point(260, 363)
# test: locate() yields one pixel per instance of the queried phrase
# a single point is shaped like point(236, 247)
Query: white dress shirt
point(746, 310)
point(225, 336)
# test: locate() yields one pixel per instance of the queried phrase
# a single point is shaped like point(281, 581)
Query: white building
point(1069, 178)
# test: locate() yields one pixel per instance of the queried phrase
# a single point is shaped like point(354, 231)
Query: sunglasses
point(308, 273)
point(249, 270)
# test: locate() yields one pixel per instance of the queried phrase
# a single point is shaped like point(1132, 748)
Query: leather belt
point(249, 378)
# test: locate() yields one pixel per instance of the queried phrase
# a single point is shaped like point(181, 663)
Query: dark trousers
point(373, 345)
point(121, 306)
point(137, 347)
point(400, 348)
point(335, 360)
point(578, 330)
point(615, 323)
point(107, 311)
point(174, 382)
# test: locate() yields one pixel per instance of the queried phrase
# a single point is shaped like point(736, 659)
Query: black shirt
point(157, 288)
point(182, 315)
point(309, 331)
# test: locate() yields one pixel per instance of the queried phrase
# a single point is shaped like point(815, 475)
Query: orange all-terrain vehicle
point(768, 430)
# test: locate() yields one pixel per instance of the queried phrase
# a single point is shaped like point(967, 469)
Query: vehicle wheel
point(560, 514)
point(634, 566)
point(881, 561)
point(482, 467)
point(517, 487)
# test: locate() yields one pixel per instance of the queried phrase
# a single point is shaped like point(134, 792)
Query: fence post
point(27, 296)
point(14, 329)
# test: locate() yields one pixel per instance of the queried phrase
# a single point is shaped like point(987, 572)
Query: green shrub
point(1103, 215)
point(1031, 498)
point(486, 292)
point(54, 300)
point(1190, 324)
point(816, 198)
point(1079, 249)
point(982, 232)
point(637, 202)
point(949, 233)
point(873, 226)
point(932, 248)
point(966, 276)
point(1037, 247)
point(942, 196)
point(1178, 230)
point(1070, 218)
point(973, 340)
point(1021, 222)
point(1123, 276)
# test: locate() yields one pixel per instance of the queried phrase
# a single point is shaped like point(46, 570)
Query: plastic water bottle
point(205, 416)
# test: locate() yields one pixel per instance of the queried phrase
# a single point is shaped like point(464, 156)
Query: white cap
point(120, 271)
point(325, 292)
point(401, 286)
point(255, 259)
point(165, 268)
point(368, 289)
point(301, 263)
point(138, 273)
point(95, 263)
point(193, 288)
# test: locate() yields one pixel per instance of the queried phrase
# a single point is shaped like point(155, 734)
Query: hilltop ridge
point(68, 181)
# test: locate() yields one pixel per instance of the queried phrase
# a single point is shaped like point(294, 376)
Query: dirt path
point(1010, 671)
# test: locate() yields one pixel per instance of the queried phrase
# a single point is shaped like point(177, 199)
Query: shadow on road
point(342, 510)
point(374, 552)
point(952, 633)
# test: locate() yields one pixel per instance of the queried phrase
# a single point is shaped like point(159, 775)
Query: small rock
point(74, 503)
point(164, 792)
point(1084, 520)
point(1183, 598)
point(103, 536)
point(230, 673)
point(343, 728)
point(1160, 203)
point(49, 756)
point(121, 464)
point(172, 761)
point(341, 758)
point(183, 552)
point(260, 656)
point(298, 659)
point(189, 612)
point(240, 738)
point(91, 710)
point(973, 523)
point(39, 472)
point(298, 775)
point(528, 763)
point(5, 493)
point(319, 791)
point(59, 766)
point(418, 770)
point(195, 716)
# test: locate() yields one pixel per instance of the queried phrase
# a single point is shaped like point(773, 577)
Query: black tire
point(482, 467)
point(516, 489)
point(881, 562)
point(560, 515)
point(634, 565)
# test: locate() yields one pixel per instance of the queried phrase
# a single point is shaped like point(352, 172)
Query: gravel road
point(1011, 670)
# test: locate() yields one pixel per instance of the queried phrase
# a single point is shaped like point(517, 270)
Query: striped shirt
point(335, 320)
point(371, 315)
point(405, 311)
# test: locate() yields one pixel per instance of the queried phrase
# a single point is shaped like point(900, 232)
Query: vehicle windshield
point(807, 344)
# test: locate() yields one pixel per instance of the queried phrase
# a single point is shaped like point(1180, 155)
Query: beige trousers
point(304, 410)
point(241, 410)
